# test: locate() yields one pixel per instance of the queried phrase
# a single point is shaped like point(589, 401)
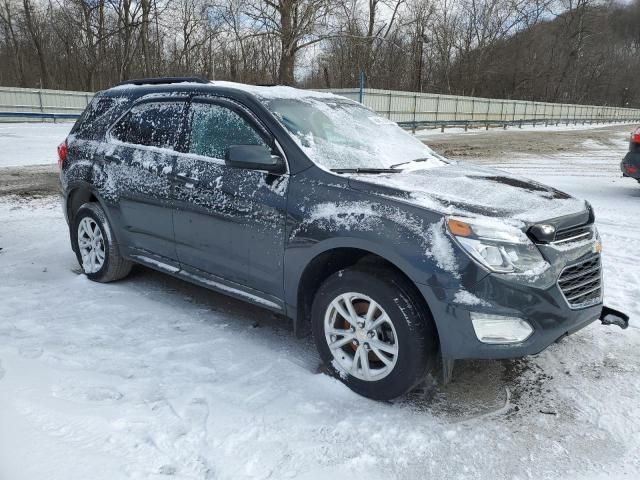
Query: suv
point(310, 205)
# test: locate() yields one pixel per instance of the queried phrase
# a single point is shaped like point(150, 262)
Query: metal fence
point(20, 104)
point(407, 108)
point(415, 109)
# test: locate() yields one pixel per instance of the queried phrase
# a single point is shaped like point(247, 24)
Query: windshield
point(341, 134)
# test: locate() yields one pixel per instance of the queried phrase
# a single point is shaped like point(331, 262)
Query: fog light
point(498, 329)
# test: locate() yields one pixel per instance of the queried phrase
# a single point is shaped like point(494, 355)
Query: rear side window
point(155, 124)
point(215, 128)
point(98, 116)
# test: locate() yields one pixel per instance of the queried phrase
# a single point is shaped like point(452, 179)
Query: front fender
point(416, 244)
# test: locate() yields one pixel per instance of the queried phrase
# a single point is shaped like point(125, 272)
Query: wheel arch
point(332, 256)
point(78, 194)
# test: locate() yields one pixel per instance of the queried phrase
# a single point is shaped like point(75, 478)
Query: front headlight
point(499, 247)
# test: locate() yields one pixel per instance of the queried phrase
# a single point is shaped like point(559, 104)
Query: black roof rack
point(162, 81)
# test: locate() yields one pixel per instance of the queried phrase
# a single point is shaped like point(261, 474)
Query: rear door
point(229, 222)
point(138, 166)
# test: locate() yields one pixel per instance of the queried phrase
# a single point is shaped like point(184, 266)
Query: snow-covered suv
point(311, 205)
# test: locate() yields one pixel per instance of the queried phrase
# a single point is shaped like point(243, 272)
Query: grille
point(581, 284)
point(574, 234)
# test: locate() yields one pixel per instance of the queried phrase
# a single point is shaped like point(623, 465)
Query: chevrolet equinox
point(311, 205)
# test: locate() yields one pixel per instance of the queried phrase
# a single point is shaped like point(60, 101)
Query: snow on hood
point(463, 189)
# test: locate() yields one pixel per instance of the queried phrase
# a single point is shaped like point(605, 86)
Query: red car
point(630, 165)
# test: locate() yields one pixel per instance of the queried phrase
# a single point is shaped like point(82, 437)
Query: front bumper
point(545, 310)
point(630, 165)
point(543, 306)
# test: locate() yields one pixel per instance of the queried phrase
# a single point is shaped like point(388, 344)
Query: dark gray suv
point(312, 206)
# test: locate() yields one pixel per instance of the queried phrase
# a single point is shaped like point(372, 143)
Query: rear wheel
point(94, 243)
point(373, 333)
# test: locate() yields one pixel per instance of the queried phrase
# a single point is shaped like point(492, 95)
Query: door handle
point(112, 159)
point(182, 178)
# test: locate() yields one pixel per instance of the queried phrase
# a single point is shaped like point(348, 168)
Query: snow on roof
point(265, 92)
point(277, 91)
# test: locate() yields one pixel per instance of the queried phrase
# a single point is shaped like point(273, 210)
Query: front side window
point(155, 124)
point(215, 128)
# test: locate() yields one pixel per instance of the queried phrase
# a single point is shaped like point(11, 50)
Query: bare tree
point(34, 24)
point(558, 50)
point(7, 20)
point(296, 23)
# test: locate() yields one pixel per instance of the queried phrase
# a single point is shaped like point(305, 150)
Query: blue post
point(361, 93)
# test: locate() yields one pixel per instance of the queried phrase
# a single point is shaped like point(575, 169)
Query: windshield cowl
point(365, 170)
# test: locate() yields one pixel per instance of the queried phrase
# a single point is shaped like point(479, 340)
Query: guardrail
point(41, 104)
point(41, 116)
point(413, 109)
point(466, 124)
point(442, 124)
point(409, 109)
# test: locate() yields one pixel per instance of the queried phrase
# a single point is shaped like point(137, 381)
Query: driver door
point(229, 222)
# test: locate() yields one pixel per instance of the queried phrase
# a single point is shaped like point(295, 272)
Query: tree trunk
point(144, 35)
point(285, 73)
point(287, 42)
point(14, 44)
point(37, 42)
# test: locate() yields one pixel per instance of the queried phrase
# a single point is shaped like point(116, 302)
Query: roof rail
point(162, 81)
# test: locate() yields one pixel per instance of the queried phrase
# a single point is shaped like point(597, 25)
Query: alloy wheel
point(91, 245)
point(361, 337)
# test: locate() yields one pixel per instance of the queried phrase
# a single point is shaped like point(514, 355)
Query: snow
point(368, 216)
point(440, 248)
point(152, 378)
point(277, 91)
point(342, 216)
point(467, 298)
point(31, 143)
point(460, 188)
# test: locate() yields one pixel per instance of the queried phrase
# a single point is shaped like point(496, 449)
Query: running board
point(207, 282)
point(610, 316)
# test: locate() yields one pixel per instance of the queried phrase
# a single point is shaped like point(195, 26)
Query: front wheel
point(373, 333)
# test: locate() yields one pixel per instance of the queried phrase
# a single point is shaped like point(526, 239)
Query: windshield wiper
point(410, 161)
point(365, 170)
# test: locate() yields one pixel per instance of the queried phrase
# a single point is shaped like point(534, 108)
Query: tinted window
point(154, 124)
point(214, 128)
point(98, 116)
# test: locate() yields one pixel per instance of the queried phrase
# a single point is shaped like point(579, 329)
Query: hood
point(468, 190)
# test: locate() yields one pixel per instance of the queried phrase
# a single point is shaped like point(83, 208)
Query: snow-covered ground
point(152, 378)
point(31, 143)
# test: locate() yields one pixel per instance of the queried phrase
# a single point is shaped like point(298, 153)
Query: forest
point(575, 51)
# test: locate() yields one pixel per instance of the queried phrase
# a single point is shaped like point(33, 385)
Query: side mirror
point(254, 157)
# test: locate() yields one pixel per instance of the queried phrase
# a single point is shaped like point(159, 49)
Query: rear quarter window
point(98, 116)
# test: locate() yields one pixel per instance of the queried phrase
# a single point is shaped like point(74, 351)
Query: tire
point(409, 331)
point(95, 247)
